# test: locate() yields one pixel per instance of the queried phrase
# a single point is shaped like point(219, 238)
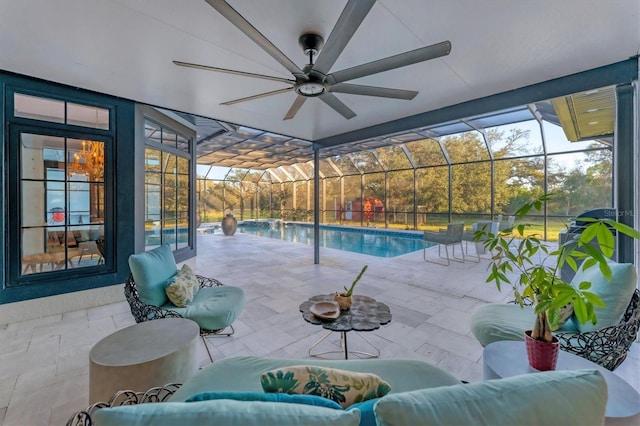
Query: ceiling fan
point(314, 79)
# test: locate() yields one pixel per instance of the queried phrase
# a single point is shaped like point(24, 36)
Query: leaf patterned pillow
point(182, 287)
point(341, 386)
point(186, 273)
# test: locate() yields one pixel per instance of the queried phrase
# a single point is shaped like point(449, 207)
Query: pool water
point(374, 242)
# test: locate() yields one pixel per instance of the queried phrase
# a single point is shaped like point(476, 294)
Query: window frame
point(122, 128)
point(177, 152)
point(13, 274)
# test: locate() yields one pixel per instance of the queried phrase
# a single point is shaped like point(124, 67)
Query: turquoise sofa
point(420, 394)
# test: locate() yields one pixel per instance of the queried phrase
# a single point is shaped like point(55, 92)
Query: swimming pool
point(374, 242)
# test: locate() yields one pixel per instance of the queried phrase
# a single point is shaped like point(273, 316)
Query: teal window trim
point(121, 131)
point(159, 119)
point(15, 277)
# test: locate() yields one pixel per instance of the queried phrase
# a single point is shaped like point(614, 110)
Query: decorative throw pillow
point(182, 287)
point(187, 274)
point(581, 393)
point(179, 293)
point(341, 386)
point(225, 412)
point(269, 397)
point(367, 415)
point(150, 271)
point(616, 294)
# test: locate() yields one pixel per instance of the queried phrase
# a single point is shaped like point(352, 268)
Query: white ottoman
point(143, 356)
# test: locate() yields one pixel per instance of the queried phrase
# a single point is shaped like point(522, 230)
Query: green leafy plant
point(537, 282)
point(349, 291)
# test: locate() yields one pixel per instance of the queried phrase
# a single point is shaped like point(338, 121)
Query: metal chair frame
point(486, 226)
point(124, 397)
point(608, 346)
point(144, 312)
point(445, 237)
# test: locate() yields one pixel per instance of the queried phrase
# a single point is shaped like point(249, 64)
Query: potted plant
point(344, 298)
point(535, 280)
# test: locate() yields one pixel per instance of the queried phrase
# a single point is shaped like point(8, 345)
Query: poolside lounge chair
point(448, 238)
point(511, 220)
point(486, 226)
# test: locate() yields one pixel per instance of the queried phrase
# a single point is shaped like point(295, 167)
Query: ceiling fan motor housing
point(311, 43)
point(314, 85)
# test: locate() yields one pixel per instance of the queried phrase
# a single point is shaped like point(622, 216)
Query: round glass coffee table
point(509, 358)
point(366, 314)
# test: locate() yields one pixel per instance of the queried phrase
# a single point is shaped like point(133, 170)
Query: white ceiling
point(126, 48)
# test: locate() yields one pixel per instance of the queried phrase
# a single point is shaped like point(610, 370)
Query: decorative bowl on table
point(325, 310)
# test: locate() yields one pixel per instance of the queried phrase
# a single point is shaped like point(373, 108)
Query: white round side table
point(142, 356)
point(509, 358)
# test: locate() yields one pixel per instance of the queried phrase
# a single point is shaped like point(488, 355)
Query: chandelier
point(89, 161)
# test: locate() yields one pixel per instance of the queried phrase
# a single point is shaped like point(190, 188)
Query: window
point(58, 148)
point(167, 188)
point(62, 203)
point(55, 111)
point(67, 227)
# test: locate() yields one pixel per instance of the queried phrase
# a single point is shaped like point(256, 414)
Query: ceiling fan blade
point(350, 19)
point(392, 62)
point(383, 92)
point(295, 107)
point(243, 25)
point(261, 95)
point(337, 105)
point(228, 71)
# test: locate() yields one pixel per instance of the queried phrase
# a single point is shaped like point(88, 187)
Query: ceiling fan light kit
point(310, 88)
point(315, 79)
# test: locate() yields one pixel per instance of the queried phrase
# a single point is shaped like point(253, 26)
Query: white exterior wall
point(59, 304)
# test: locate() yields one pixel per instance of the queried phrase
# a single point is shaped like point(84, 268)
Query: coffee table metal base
point(345, 349)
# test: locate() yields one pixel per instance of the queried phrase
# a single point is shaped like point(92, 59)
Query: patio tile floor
point(44, 363)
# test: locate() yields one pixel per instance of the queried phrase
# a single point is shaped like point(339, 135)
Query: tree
point(515, 179)
point(471, 172)
point(585, 186)
point(282, 194)
point(400, 192)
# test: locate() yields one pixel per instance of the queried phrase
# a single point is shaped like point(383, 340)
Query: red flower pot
point(543, 356)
